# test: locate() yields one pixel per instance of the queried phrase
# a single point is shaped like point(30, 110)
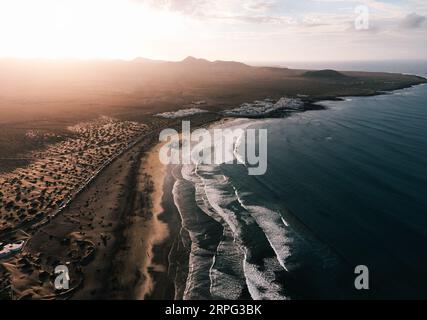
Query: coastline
point(142, 230)
point(130, 223)
point(173, 251)
point(166, 267)
point(178, 253)
point(154, 231)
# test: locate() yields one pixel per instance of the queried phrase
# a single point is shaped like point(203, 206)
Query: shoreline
point(170, 244)
point(156, 231)
point(141, 268)
point(160, 271)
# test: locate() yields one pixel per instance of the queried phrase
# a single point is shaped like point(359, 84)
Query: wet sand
point(155, 231)
point(142, 264)
point(161, 232)
point(166, 278)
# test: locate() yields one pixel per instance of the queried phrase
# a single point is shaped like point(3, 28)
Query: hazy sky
point(250, 30)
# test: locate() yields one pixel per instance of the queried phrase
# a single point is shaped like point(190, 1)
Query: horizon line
point(107, 59)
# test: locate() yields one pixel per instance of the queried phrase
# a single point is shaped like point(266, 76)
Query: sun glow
point(83, 28)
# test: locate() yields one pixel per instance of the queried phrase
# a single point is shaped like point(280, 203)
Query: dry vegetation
point(45, 186)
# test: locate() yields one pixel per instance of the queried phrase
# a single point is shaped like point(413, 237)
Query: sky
point(248, 30)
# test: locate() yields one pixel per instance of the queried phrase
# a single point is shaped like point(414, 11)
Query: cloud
point(190, 7)
point(384, 16)
point(260, 5)
point(257, 19)
point(248, 11)
point(412, 21)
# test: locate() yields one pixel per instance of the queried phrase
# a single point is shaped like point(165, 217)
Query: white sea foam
point(275, 230)
point(217, 198)
point(260, 281)
point(227, 279)
point(181, 113)
point(236, 264)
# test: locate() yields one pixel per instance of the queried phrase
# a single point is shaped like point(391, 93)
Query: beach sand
point(149, 234)
point(115, 236)
point(85, 236)
point(155, 231)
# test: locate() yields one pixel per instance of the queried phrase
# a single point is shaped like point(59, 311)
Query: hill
point(326, 74)
point(45, 88)
point(49, 95)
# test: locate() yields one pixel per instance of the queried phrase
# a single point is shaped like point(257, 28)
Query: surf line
point(217, 146)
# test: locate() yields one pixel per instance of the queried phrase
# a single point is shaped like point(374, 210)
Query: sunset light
point(83, 29)
point(251, 31)
point(207, 156)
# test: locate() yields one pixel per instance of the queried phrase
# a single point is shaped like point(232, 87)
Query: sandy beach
point(150, 232)
point(154, 231)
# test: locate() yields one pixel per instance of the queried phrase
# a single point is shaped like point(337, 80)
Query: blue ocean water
point(356, 177)
point(345, 186)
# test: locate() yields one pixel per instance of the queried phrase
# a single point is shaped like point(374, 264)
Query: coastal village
point(266, 107)
point(38, 191)
point(32, 196)
point(256, 109)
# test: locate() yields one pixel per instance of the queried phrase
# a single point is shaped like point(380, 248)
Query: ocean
point(345, 186)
